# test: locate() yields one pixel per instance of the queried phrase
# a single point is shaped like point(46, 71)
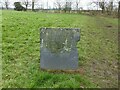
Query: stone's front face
point(58, 48)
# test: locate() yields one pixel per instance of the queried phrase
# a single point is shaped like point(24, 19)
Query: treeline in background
point(94, 7)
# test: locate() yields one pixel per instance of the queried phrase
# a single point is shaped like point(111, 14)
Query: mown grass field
point(21, 50)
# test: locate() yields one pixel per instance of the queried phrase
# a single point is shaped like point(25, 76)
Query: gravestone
point(58, 48)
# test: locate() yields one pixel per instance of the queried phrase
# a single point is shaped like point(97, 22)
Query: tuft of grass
point(21, 50)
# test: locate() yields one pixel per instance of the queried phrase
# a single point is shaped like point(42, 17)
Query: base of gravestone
point(79, 70)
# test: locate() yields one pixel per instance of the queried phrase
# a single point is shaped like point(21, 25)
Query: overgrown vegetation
point(19, 7)
point(21, 50)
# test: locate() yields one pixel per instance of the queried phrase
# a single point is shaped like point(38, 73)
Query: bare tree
point(6, 3)
point(77, 5)
point(111, 5)
point(107, 6)
point(68, 5)
point(27, 3)
point(58, 4)
point(102, 5)
point(96, 4)
point(33, 1)
point(33, 4)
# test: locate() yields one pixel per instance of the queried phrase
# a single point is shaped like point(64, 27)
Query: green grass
point(0, 49)
point(21, 50)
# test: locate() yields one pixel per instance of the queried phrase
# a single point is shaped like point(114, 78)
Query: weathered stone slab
point(58, 48)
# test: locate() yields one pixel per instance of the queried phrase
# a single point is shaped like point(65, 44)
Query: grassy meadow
point(98, 50)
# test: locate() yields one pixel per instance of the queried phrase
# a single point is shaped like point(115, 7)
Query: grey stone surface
point(58, 48)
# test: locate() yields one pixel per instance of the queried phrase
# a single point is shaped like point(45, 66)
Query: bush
point(19, 7)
